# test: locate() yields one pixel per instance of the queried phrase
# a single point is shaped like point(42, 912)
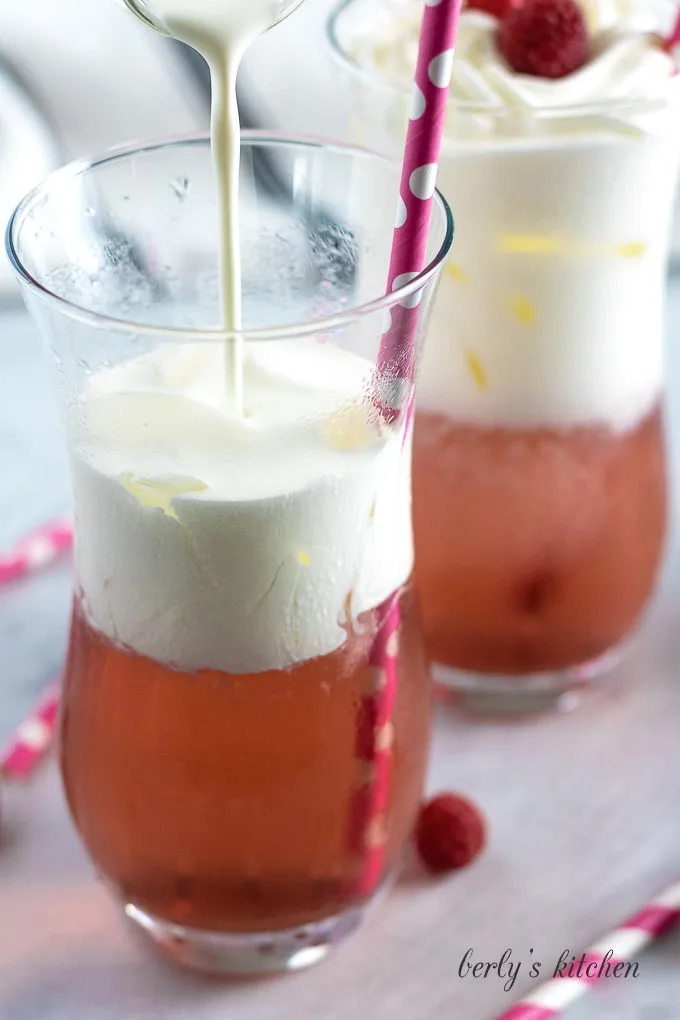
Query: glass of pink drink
point(539, 478)
point(246, 698)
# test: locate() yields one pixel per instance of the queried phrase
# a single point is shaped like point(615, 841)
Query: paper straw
point(36, 550)
point(373, 751)
point(416, 193)
point(32, 740)
point(550, 999)
point(374, 732)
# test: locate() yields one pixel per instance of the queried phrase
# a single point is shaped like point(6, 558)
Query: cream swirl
point(550, 309)
point(625, 59)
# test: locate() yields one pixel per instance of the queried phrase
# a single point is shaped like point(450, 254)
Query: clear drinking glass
point(246, 698)
point(539, 480)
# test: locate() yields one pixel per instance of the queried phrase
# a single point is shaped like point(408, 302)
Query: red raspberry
point(450, 832)
point(546, 38)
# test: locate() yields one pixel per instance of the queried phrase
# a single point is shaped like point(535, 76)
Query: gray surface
point(584, 814)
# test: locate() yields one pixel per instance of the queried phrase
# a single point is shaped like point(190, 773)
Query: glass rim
point(146, 17)
point(282, 139)
point(468, 106)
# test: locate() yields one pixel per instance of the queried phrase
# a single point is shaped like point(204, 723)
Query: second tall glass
point(539, 458)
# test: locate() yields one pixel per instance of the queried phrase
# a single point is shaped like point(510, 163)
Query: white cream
point(550, 309)
point(624, 61)
point(205, 541)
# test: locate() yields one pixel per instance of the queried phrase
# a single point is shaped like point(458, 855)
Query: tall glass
point(245, 709)
point(539, 479)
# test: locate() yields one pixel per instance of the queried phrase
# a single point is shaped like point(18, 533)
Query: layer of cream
point(550, 310)
point(209, 541)
point(625, 59)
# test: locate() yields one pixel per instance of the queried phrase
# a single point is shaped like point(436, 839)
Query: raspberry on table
point(545, 38)
point(450, 832)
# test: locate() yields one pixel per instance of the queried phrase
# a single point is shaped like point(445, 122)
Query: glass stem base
point(256, 953)
point(499, 694)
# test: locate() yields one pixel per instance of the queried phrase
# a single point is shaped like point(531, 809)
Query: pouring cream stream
point(221, 31)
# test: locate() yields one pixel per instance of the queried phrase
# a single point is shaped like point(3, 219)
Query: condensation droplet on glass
point(181, 186)
point(90, 211)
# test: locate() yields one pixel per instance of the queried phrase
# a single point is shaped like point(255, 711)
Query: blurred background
point(77, 76)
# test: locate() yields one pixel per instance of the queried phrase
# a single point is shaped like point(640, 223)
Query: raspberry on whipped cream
point(623, 58)
point(554, 270)
point(547, 38)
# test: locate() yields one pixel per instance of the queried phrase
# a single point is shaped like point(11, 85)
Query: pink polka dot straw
point(597, 964)
point(36, 550)
point(373, 750)
point(416, 193)
point(374, 732)
point(33, 738)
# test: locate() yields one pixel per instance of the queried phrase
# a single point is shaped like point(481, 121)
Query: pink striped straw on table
point(550, 999)
point(36, 550)
point(407, 260)
point(373, 750)
point(33, 739)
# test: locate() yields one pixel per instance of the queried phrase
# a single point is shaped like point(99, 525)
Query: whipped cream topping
point(622, 64)
point(211, 541)
point(550, 308)
point(625, 59)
